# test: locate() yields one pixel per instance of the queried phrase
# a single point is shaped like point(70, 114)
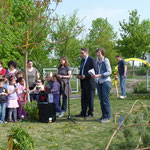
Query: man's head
point(118, 57)
point(84, 52)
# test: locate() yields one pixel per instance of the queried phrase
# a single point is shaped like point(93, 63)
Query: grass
point(64, 135)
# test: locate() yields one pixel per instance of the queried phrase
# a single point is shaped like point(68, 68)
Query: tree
point(102, 35)
point(25, 26)
point(135, 36)
point(65, 36)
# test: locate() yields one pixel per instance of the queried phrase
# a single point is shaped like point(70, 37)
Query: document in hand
point(91, 72)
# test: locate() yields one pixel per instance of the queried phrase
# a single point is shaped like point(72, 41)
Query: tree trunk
point(25, 66)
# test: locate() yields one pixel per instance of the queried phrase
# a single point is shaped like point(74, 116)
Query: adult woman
point(103, 84)
point(12, 71)
point(33, 74)
point(2, 70)
point(64, 73)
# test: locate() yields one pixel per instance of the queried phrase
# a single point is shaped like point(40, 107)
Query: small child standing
point(49, 82)
point(3, 99)
point(21, 98)
point(6, 82)
point(56, 95)
point(12, 99)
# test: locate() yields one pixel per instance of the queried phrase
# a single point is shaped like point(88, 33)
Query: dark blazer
point(88, 82)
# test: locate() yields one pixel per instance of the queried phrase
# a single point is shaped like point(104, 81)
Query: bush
point(20, 139)
point(140, 88)
point(141, 71)
point(32, 110)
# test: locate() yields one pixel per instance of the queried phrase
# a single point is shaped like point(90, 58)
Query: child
point(19, 74)
point(38, 88)
point(21, 98)
point(6, 82)
point(49, 81)
point(3, 96)
point(56, 95)
point(12, 99)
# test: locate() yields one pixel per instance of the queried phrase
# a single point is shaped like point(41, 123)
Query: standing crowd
point(13, 87)
point(13, 92)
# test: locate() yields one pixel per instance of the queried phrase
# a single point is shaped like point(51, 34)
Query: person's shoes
point(80, 115)
point(11, 121)
point(89, 116)
point(57, 114)
point(105, 120)
point(61, 114)
point(122, 97)
point(99, 119)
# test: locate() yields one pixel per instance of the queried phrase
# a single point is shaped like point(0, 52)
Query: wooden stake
point(25, 66)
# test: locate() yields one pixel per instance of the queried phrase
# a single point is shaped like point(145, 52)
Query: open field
point(85, 134)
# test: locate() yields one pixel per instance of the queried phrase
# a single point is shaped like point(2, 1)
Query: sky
point(113, 10)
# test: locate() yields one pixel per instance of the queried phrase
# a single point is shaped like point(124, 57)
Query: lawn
point(85, 134)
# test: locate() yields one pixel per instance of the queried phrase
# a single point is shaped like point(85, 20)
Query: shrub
point(31, 109)
point(141, 71)
point(140, 88)
point(21, 140)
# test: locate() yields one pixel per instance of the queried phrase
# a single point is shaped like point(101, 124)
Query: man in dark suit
point(87, 84)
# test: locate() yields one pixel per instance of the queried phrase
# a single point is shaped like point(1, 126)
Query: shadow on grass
point(76, 120)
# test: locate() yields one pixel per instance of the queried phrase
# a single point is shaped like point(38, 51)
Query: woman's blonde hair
point(49, 74)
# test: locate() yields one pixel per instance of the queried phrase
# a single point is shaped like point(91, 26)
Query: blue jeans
point(2, 111)
point(104, 93)
point(123, 85)
point(56, 98)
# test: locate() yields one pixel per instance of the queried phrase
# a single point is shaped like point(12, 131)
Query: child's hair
point(1, 76)
point(11, 78)
point(18, 73)
point(42, 81)
point(20, 79)
point(1, 80)
point(56, 76)
point(49, 74)
point(6, 76)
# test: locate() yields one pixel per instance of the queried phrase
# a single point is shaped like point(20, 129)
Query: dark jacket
point(88, 82)
point(3, 97)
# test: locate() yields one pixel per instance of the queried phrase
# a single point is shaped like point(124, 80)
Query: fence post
point(147, 79)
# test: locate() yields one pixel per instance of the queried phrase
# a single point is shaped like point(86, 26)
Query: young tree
point(135, 37)
point(65, 36)
point(25, 27)
point(102, 35)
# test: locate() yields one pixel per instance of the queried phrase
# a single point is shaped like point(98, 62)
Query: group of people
point(13, 92)
point(13, 87)
point(101, 80)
